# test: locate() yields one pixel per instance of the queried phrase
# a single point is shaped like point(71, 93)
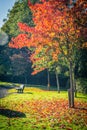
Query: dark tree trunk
point(57, 81)
point(48, 78)
point(25, 77)
point(71, 90)
point(75, 90)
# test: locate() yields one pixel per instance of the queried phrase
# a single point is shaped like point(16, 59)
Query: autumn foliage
point(58, 29)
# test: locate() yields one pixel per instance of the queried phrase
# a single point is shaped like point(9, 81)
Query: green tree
point(20, 66)
point(4, 61)
point(19, 13)
point(81, 64)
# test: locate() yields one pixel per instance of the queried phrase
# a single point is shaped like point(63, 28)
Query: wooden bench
point(20, 89)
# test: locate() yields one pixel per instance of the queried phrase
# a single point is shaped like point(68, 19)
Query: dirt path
point(3, 92)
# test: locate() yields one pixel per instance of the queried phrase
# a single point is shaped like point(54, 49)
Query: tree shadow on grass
point(81, 97)
point(28, 93)
point(11, 113)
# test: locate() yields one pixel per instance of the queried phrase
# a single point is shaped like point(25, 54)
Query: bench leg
point(19, 90)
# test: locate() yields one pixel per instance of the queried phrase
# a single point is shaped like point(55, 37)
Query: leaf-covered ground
point(37, 109)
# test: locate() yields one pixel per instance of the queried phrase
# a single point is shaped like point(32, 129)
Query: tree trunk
point(48, 78)
point(71, 101)
point(75, 88)
point(25, 79)
point(57, 81)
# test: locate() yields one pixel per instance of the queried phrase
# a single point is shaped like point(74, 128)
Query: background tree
point(19, 66)
point(4, 61)
point(19, 12)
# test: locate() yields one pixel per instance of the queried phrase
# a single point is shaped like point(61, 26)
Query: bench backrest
point(22, 86)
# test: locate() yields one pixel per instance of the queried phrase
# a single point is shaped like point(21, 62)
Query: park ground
point(39, 109)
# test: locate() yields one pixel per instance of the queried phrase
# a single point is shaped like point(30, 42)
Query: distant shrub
point(81, 85)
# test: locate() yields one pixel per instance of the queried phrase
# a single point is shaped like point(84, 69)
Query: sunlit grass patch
point(43, 110)
point(36, 93)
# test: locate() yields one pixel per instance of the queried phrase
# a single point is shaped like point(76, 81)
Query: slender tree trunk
point(74, 83)
point(25, 79)
point(57, 81)
point(71, 92)
point(75, 88)
point(48, 78)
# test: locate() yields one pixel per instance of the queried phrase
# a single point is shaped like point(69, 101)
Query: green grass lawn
point(38, 109)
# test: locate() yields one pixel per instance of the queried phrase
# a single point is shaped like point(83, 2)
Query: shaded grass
point(43, 110)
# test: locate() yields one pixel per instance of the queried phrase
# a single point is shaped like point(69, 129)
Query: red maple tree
point(58, 29)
